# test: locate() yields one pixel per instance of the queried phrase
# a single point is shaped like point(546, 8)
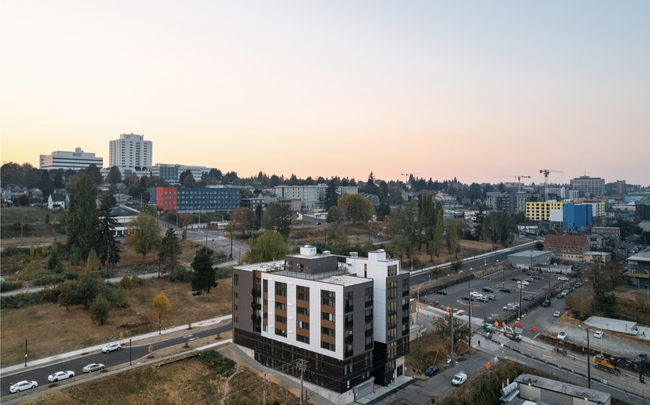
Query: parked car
point(537, 277)
point(93, 367)
point(546, 303)
point(111, 347)
point(431, 371)
point(459, 379)
point(482, 299)
point(488, 289)
point(60, 375)
point(557, 314)
point(22, 386)
point(561, 295)
point(505, 290)
point(576, 285)
point(598, 334)
point(442, 292)
point(561, 335)
point(434, 303)
point(562, 278)
point(491, 297)
point(529, 298)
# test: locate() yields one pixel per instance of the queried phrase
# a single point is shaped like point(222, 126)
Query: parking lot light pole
point(588, 360)
point(25, 352)
point(417, 304)
point(469, 296)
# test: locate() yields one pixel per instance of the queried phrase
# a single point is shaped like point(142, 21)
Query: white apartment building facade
point(312, 197)
point(131, 154)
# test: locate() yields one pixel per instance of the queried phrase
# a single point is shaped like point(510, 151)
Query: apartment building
point(131, 154)
point(541, 211)
point(511, 202)
point(614, 232)
point(576, 216)
point(77, 160)
point(348, 321)
point(194, 200)
point(589, 185)
point(172, 172)
point(312, 197)
point(567, 247)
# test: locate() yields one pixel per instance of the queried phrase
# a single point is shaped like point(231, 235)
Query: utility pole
point(302, 366)
point(264, 382)
point(521, 284)
point(588, 360)
point(548, 293)
point(451, 314)
point(469, 300)
point(503, 277)
point(25, 352)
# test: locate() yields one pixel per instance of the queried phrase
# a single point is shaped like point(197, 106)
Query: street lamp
point(130, 353)
point(25, 352)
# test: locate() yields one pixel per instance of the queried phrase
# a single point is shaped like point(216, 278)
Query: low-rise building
point(643, 212)
point(56, 200)
point(613, 232)
point(639, 269)
point(13, 191)
point(171, 173)
point(540, 389)
point(541, 211)
point(253, 203)
point(597, 257)
point(567, 247)
point(77, 160)
point(530, 259)
point(511, 201)
point(195, 200)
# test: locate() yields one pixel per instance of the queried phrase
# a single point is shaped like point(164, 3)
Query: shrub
point(222, 365)
point(188, 276)
point(117, 297)
point(126, 283)
point(220, 255)
point(51, 295)
point(136, 280)
point(10, 302)
point(44, 251)
point(9, 286)
point(99, 310)
point(223, 273)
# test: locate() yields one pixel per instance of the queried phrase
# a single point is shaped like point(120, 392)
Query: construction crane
point(407, 175)
point(546, 172)
point(518, 177)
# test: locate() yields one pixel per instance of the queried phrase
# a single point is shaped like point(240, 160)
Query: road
point(112, 359)
point(497, 257)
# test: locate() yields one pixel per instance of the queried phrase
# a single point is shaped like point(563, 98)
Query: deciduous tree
point(399, 246)
point(242, 219)
point(278, 217)
point(453, 239)
point(92, 263)
point(144, 234)
point(66, 297)
point(438, 241)
point(357, 208)
point(114, 175)
point(499, 227)
point(162, 304)
point(99, 310)
point(270, 246)
point(335, 214)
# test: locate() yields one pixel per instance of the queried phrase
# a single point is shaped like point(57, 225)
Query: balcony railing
point(348, 323)
point(348, 339)
point(349, 353)
point(368, 304)
point(369, 318)
point(349, 308)
point(369, 332)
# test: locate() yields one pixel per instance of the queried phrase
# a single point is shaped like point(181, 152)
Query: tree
point(442, 327)
point(183, 179)
point(437, 235)
point(270, 246)
point(539, 245)
point(456, 265)
point(453, 239)
point(144, 234)
point(184, 234)
point(66, 295)
point(499, 227)
point(579, 303)
point(126, 283)
point(335, 233)
point(170, 250)
point(399, 246)
point(162, 304)
point(204, 272)
point(243, 219)
point(82, 216)
point(106, 245)
point(114, 175)
point(94, 173)
point(259, 215)
point(474, 192)
point(245, 193)
point(149, 209)
point(52, 260)
point(99, 310)
point(335, 214)
point(92, 264)
point(331, 196)
point(46, 184)
point(384, 209)
point(357, 208)
point(404, 221)
point(278, 217)
point(437, 271)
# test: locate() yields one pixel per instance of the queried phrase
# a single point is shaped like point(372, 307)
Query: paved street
point(112, 359)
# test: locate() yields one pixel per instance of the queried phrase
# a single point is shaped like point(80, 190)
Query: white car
point(557, 314)
point(111, 347)
point(93, 367)
point(561, 278)
point(561, 335)
point(459, 378)
point(22, 386)
point(598, 334)
point(60, 375)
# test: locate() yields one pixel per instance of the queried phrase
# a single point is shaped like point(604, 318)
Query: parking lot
point(493, 309)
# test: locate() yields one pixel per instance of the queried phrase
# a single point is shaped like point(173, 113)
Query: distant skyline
point(472, 90)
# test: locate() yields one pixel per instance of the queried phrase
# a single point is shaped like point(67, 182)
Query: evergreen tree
point(453, 236)
point(46, 184)
point(437, 235)
point(114, 175)
point(82, 216)
point(91, 263)
point(331, 196)
point(204, 273)
point(106, 246)
point(170, 249)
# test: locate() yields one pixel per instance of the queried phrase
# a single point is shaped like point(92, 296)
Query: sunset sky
point(448, 89)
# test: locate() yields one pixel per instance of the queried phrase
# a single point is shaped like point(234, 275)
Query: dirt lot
point(189, 381)
point(51, 329)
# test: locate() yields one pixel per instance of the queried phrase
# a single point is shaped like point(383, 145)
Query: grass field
point(51, 329)
point(28, 215)
point(188, 381)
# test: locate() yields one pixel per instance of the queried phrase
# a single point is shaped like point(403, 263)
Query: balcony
point(369, 332)
point(349, 308)
point(256, 293)
point(256, 318)
point(369, 318)
point(348, 323)
point(255, 305)
point(391, 312)
point(368, 304)
point(349, 353)
point(405, 293)
point(348, 339)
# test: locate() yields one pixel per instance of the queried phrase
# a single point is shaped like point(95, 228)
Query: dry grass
point(184, 382)
point(51, 329)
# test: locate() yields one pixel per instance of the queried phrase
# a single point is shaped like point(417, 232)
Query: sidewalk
point(64, 356)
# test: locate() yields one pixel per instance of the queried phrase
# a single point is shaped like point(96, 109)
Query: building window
point(391, 290)
point(302, 311)
point(327, 331)
point(236, 295)
point(302, 325)
point(280, 305)
point(235, 279)
point(328, 298)
point(303, 339)
point(265, 287)
point(369, 297)
point(281, 319)
point(328, 317)
point(392, 270)
point(280, 332)
point(328, 346)
point(302, 293)
point(281, 289)
point(405, 287)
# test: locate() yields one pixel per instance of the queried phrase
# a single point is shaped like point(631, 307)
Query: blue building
point(207, 199)
point(576, 216)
